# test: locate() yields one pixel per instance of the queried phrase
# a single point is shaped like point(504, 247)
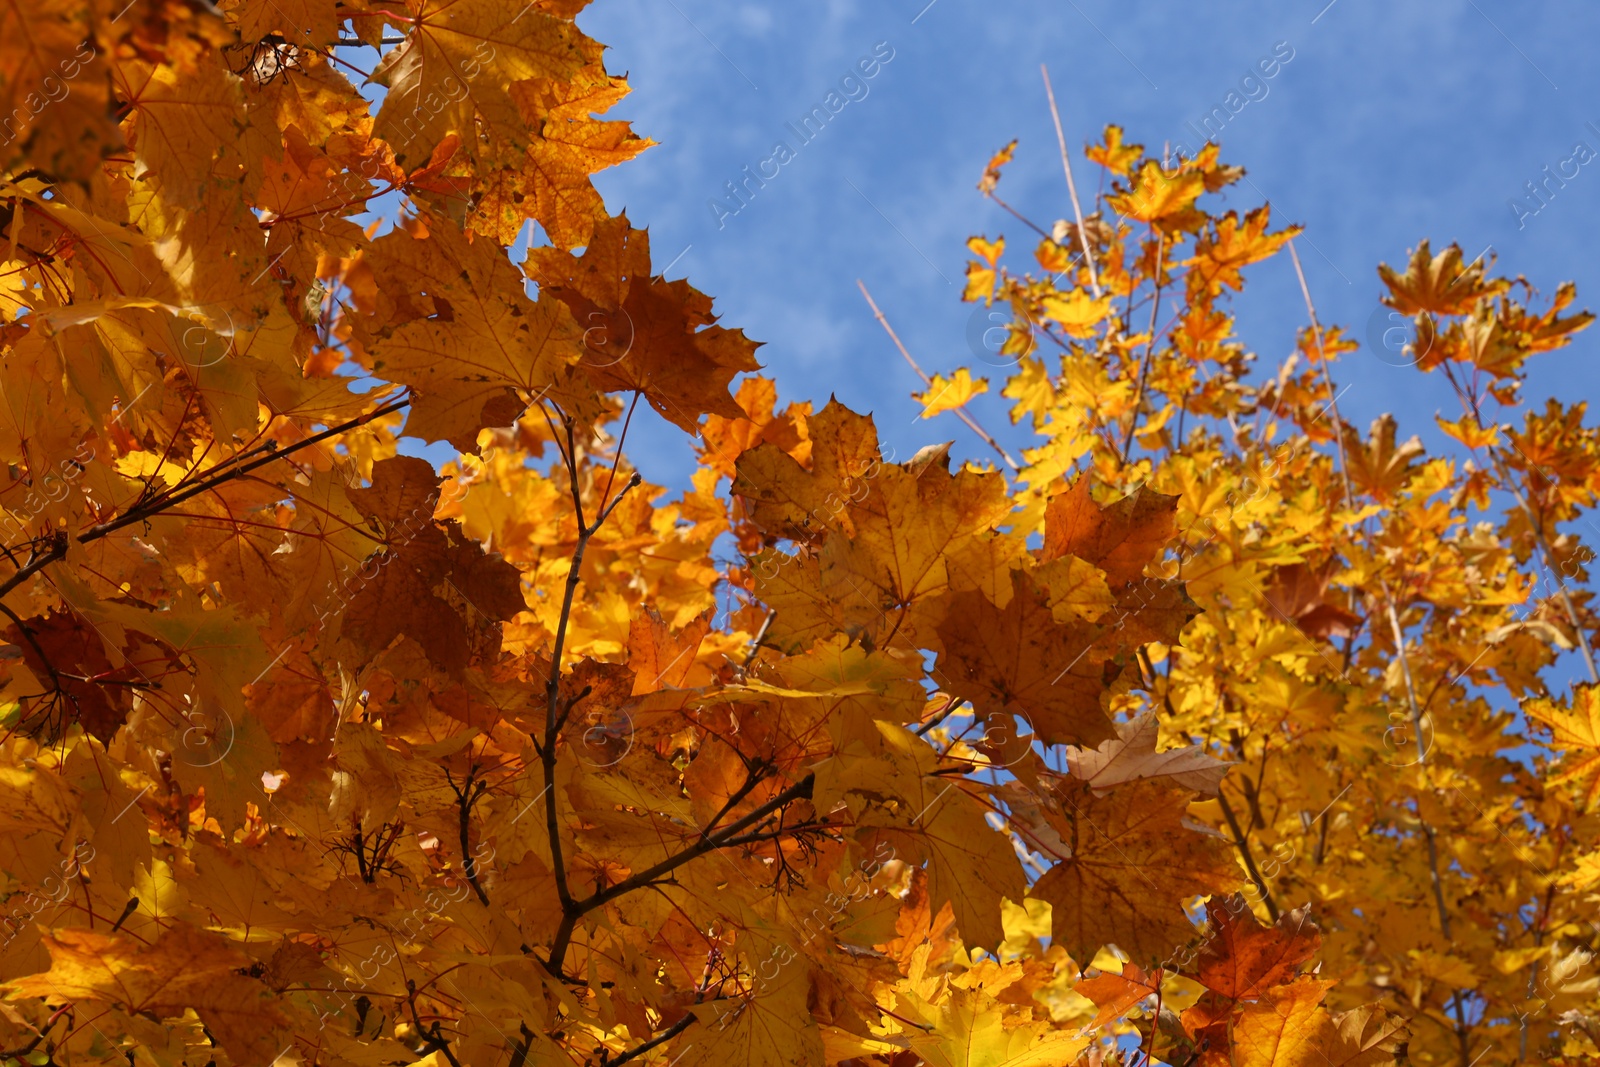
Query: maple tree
point(1198, 735)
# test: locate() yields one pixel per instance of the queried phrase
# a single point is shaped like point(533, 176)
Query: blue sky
point(1390, 123)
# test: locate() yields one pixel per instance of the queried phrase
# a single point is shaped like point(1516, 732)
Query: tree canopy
point(1208, 730)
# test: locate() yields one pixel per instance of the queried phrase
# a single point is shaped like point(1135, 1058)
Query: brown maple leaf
point(1299, 593)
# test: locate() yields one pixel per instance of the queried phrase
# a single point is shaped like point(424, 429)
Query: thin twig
point(664, 1036)
point(555, 715)
point(611, 479)
point(127, 909)
point(962, 415)
point(1243, 845)
point(1072, 188)
point(1020, 217)
point(1327, 379)
point(756, 772)
point(729, 835)
point(1149, 351)
point(433, 1039)
point(1430, 836)
point(706, 843)
point(944, 713)
point(761, 635)
point(466, 797)
point(154, 506)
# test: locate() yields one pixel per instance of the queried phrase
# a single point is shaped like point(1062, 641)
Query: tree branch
point(555, 714)
point(1242, 843)
point(1149, 352)
point(1072, 187)
point(520, 1053)
point(154, 506)
point(726, 837)
point(434, 1041)
point(466, 797)
point(707, 843)
point(660, 1039)
point(754, 774)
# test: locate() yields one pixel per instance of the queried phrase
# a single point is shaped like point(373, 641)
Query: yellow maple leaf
point(946, 394)
point(1077, 311)
point(1113, 154)
point(1154, 195)
point(1576, 730)
point(968, 1033)
point(1440, 284)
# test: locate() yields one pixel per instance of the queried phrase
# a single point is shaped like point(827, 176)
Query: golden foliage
point(316, 754)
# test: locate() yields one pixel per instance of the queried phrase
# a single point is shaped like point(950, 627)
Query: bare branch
point(962, 415)
point(1072, 187)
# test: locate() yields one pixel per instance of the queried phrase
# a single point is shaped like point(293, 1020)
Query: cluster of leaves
point(1380, 627)
point(316, 754)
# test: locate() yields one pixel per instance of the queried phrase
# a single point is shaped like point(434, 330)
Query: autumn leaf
point(1378, 465)
point(769, 1028)
point(406, 587)
point(1077, 312)
point(64, 643)
point(38, 45)
point(1300, 594)
point(552, 183)
point(1132, 756)
point(296, 21)
point(481, 343)
point(1021, 661)
point(1237, 245)
point(1114, 994)
point(1469, 432)
point(186, 969)
point(461, 59)
point(964, 1035)
point(1242, 959)
point(1113, 154)
point(1154, 195)
point(185, 126)
point(1279, 1030)
point(1131, 864)
point(727, 438)
point(1120, 538)
point(1440, 284)
point(948, 394)
point(991, 172)
point(1576, 729)
point(971, 868)
point(643, 333)
point(1289, 1027)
